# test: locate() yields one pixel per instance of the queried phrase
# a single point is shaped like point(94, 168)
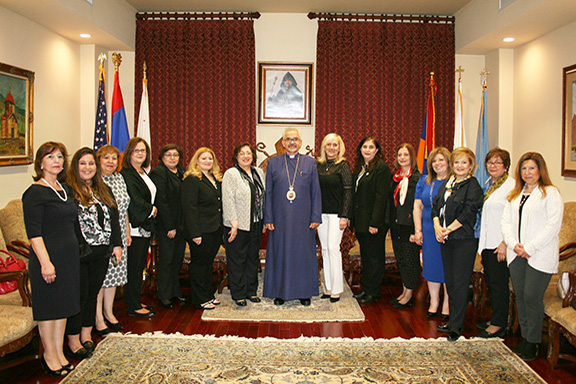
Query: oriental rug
point(159, 358)
point(320, 310)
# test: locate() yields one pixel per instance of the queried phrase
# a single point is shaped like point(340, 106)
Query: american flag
point(101, 131)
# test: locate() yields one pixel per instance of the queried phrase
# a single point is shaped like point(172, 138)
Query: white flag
point(459, 133)
point(143, 130)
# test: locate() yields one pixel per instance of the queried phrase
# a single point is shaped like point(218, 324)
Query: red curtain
point(372, 81)
point(201, 84)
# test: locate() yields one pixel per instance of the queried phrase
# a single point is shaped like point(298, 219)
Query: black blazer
point(371, 198)
point(168, 196)
point(140, 207)
point(463, 205)
point(402, 214)
point(201, 206)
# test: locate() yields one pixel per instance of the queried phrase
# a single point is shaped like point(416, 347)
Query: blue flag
point(101, 130)
point(120, 135)
point(482, 142)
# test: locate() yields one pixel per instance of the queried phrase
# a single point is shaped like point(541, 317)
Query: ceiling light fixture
point(508, 39)
point(85, 35)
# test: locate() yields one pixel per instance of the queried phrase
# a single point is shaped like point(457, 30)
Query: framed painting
point(569, 122)
point(16, 115)
point(284, 93)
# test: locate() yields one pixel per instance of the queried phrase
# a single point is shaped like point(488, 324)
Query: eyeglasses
point(138, 150)
point(492, 163)
point(292, 139)
point(171, 155)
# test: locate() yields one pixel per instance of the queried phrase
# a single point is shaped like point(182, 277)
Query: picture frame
point(569, 121)
point(285, 93)
point(16, 115)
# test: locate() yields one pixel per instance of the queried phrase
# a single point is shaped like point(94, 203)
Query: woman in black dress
point(50, 216)
point(372, 180)
point(100, 229)
point(168, 177)
point(202, 212)
point(402, 194)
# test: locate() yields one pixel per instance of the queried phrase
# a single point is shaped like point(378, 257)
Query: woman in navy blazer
point(201, 196)
point(372, 186)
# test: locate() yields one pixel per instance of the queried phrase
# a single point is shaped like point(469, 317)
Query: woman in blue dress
point(427, 187)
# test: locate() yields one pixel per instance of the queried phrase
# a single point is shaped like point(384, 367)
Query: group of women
point(92, 233)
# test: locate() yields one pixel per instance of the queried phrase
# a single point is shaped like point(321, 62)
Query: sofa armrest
point(21, 277)
point(571, 291)
point(20, 247)
point(567, 251)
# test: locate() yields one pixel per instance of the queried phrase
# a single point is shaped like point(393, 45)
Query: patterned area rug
point(347, 309)
point(162, 358)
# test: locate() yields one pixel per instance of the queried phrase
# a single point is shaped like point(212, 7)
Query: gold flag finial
point(459, 70)
point(116, 60)
point(484, 77)
point(102, 58)
point(144, 67)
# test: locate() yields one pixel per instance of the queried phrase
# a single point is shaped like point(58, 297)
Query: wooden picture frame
point(16, 115)
point(569, 121)
point(284, 93)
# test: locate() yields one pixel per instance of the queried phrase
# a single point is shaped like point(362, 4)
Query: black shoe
point(138, 314)
point(305, 302)
point(409, 303)
point(181, 299)
point(483, 325)
point(166, 304)
point(62, 372)
point(334, 299)
point(487, 335)
point(530, 351)
point(359, 295)
point(444, 317)
point(254, 299)
point(80, 354)
point(240, 303)
point(443, 327)
point(431, 315)
point(102, 332)
point(278, 301)
point(519, 349)
point(393, 301)
point(148, 307)
point(69, 367)
point(367, 299)
point(89, 345)
point(453, 336)
point(325, 296)
point(114, 326)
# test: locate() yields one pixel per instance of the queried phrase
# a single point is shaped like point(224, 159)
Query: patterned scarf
point(495, 185)
point(402, 186)
point(257, 193)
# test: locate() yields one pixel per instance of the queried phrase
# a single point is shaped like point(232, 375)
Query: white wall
point(471, 93)
point(538, 100)
point(56, 63)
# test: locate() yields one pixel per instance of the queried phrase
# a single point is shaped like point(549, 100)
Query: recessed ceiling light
point(85, 35)
point(508, 39)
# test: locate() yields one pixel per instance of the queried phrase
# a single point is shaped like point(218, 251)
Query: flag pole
point(459, 133)
point(102, 77)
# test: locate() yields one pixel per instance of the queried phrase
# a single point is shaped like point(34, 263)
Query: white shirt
point(490, 228)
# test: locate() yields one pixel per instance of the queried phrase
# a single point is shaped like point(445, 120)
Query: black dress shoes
point(254, 299)
point(102, 332)
point(334, 299)
point(181, 299)
point(432, 315)
point(483, 325)
point(444, 317)
point(80, 354)
point(367, 299)
point(360, 295)
point(305, 302)
point(166, 304)
point(62, 372)
point(138, 314)
point(278, 301)
point(453, 336)
point(443, 327)
point(325, 296)
point(89, 345)
point(240, 303)
point(114, 326)
point(408, 304)
point(487, 335)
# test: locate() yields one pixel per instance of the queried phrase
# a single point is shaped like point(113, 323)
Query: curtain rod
point(387, 18)
point(197, 15)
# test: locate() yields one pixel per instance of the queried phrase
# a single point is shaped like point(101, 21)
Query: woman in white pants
point(336, 187)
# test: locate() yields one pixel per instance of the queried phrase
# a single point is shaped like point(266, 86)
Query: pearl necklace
point(55, 191)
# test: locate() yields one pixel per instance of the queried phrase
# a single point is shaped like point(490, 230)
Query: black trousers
point(407, 255)
point(201, 265)
point(137, 255)
point(373, 254)
point(498, 279)
point(458, 257)
point(242, 257)
point(93, 270)
point(170, 258)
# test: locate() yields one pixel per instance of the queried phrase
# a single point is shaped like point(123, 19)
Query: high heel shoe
point(432, 315)
point(444, 317)
point(408, 304)
point(113, 326)
point(62, 372)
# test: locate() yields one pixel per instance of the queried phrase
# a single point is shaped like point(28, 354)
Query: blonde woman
point(201, 196)
point(336, 187)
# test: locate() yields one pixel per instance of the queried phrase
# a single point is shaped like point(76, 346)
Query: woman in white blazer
point(243, 212)
point(491, 244)
point(530, 225)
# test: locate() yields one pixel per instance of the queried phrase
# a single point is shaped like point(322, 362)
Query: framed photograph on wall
point(569, 122)
point(284, 93)
point(16, 115)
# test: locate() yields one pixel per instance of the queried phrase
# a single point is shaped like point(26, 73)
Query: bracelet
point(417, 231)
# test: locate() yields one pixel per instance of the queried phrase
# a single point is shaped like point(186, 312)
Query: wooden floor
point(382, 321)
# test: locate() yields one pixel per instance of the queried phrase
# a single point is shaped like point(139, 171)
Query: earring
point(41, 168)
